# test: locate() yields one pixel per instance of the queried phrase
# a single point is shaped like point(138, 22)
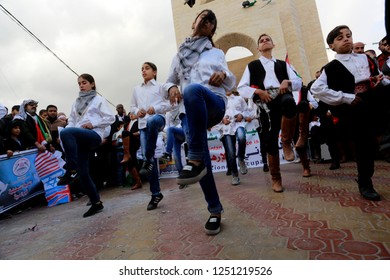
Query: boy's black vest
point(340, 79)
point(257, 74)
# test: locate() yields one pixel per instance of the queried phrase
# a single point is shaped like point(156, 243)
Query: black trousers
point(283, 105)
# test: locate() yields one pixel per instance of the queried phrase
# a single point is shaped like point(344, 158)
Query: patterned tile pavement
point(321, 217)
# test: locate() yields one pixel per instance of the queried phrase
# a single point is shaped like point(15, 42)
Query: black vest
point(339, 77)
point(257, 74)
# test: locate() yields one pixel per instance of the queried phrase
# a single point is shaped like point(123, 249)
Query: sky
point(111, 40)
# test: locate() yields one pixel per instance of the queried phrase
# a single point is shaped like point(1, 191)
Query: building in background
point(294, 26)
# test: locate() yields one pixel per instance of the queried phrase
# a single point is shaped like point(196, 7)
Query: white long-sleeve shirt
point(358, 65)
point(235, 105)
point(98, 113)
point(252, 112)
point(209, 62)
point(270, 79)
point(149, 95)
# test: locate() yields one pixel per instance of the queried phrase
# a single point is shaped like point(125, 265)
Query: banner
point(27, 174)
point(19, 180)
point(49, 168)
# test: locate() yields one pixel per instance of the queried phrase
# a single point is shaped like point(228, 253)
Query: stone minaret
point(294, 26)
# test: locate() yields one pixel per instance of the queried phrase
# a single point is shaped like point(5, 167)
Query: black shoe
point(334, 165)
point(95, 208)
point(228, 172)
point(154, 201)
point(167, 157)
point(68, 178)
point(265, 167)
point(191, 174)
point(368, 192)
point(146, 169)
point(213, 225)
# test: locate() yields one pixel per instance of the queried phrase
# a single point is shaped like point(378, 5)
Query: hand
point(141, 113)
point(225, 120)
point(10, 153)
point(284, 86)
point(239, 117)
point(217, 78)
point(41, 147)
point(87, 125)
point(357, 101)
point(376, 79)
point(265, 97)
point(248, 119)
point(151, 111)
point(174, 95)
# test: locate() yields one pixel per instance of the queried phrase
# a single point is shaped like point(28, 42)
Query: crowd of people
point(346, 107)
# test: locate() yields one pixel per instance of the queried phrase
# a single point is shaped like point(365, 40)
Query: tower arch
point(294, 26)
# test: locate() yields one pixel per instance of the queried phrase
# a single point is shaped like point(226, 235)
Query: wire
point(12, 17)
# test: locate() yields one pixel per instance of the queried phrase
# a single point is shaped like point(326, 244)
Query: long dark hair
point(210, 17)
point(89, 78)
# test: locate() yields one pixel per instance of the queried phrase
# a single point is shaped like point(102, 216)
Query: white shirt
point(357, 64)
point(98, 113)
point(270, 79)
point(235, 105)
point(209, 62)
point(148, 95)
point(252, 113)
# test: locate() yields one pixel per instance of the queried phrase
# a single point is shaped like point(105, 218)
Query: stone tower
point(294, 26)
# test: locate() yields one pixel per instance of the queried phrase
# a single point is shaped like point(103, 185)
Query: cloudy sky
point(111, 40)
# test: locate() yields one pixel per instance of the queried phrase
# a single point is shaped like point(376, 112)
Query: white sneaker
point(243, 168)
point(235, 181)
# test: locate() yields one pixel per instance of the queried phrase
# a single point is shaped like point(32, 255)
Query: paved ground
point(322, 217)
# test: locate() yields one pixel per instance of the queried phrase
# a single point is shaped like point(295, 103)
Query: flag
point(288, 62)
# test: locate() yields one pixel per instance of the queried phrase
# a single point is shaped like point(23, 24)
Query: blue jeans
point(79, 144)
point(241, 141)
point(204, 109)
point(148, 138)
point(175, 138)
point(229, 144)
point(149, 134)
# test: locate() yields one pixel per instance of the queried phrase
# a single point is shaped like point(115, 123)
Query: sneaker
point(146, 169)
point(68, 178)
point(213, 225)
point(265, 167)
point(95, 208)
point(235, 181)
point(243, 168)
point(167, 157)
point(191, 174)
point(154, 201)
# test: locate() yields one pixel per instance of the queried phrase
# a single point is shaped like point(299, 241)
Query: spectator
point(54, 123)
point(358, 47)
point(34, 130)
